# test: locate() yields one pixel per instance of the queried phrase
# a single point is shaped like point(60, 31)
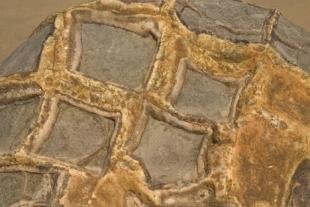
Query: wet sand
point(18, 18)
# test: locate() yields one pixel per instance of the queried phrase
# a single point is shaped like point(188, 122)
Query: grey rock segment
point(227, 19)
point(116, 55)
point(26, 189)
point(26, 57)
point(170, 154)
point(15, 122)
point(300, 195)
point(11, 188)
point(78, 134)
point(156, 2)
point(292, 42)
point(239, 21)
point(204, 97)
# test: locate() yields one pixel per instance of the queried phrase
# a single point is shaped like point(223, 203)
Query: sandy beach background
point(18, 18)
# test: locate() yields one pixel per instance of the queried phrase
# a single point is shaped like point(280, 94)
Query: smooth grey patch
point(33, 183)
point(300, 194)
point(170, 154)
point(77, 134)
point(15, 122)
point(227, 19)
point(156, 2)
point(27, 189)
point(11, 187)
point(204, 97)
point(293, 43)
point(26, 57)
point(116, 55)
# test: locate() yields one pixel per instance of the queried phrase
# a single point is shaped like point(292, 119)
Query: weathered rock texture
point(157, 103)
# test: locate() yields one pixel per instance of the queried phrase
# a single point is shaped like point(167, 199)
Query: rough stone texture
point(204, 97)
point(26, 189)
point(156, 2)
point(169, 154)
point(224, 18)
point(15, 121)
point(34, 183)
point(11, 188)
point(293, 42)
point(78, 134)
point(300, 195)
point(116, 55)
point(248, 160)
point(25, 58)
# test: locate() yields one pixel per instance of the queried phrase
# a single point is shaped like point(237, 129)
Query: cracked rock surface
point(142, 103)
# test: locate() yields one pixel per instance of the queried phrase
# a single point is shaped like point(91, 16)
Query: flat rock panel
point(169, 153)
point(293, 43)
point(34, 183)
point(300, 195)
point(156, 2)
point(11, 188)
point(78, 133)
point(225, 18)
point(26, 57)
point(204, 97)
point(26, 189)
point(15, 121)
point(116, 55)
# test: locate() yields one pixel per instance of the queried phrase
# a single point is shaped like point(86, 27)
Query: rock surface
point(123, 57)
point(25, 58)
point(225, 18)
point(170, 154)
point(193, 103)
point(16, 119)
point(292, 42)
point(205, 97)
point(78, 134)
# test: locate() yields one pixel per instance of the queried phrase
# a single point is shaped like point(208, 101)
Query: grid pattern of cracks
point(58, 77)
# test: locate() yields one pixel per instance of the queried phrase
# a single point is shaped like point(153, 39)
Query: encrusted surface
point(204, 122)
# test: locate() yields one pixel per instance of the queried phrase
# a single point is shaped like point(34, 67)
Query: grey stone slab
point(300, 195)
point(97, 162)
point(204, 97)
point(33, 184)
point(78, 133)
point(303, 58)
point(293, 43)
point(169, 153)
point(116, 55)
point(227, 19)
point(26, 57)
point(156, 2)
point(212, 203)
point(15, 122)
point(11, 188)
point(26, 189)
